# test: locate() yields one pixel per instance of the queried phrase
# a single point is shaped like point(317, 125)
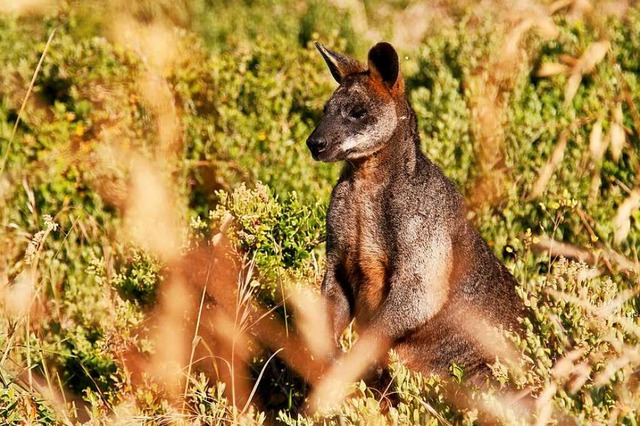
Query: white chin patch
point(373, 136)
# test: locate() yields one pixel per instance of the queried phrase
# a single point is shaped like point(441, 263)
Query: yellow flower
point(79, 130)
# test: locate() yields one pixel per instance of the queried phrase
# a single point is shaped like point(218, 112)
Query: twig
point(558, 248)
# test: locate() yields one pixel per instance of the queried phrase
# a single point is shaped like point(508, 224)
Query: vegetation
point(154, 131)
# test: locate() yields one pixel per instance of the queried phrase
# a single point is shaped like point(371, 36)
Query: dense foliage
point(534, 114)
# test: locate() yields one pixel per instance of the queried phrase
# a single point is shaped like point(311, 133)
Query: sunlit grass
point(142, 281)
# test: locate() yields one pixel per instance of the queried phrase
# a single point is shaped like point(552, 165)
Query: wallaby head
point(364, 111)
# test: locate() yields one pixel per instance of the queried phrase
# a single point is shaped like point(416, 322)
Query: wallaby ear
point(339, 65)
point(385, 66)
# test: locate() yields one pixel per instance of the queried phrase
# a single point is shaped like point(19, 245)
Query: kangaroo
point(402, 258)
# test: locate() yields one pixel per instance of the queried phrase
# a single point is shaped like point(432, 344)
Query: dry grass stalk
point(548, 169)
point(616, 133)
point(628, 355)
point(578, 366)
point(544, 404)
point(24, 102)
point(27, 7)
point(490, 338)
point(170, 358)
point(150, 214)
point(358, 13)
point(594, 54)
point(332, 389)
point(486, 108)
point(489, 90)
point(597, 144)
point(549, 69)
point(413, 22)
point(312, 322)
point(17, 298)
point(622, 219)
point(156, 44)
point(569, 372)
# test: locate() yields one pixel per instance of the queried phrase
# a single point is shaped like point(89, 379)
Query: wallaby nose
point(316, 144)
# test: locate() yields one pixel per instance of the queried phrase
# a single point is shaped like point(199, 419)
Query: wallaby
point(402, 257)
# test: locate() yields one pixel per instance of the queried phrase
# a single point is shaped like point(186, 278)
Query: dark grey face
point(358, 120)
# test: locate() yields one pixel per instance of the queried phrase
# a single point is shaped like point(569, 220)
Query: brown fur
point(401, 256)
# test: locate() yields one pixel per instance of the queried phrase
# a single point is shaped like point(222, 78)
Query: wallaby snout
point(317, 144)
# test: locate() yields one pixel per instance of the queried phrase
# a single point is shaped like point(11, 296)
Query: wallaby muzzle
point(320, 142)
point(317, 145)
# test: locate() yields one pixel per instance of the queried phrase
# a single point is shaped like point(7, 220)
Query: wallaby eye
point(357, 113)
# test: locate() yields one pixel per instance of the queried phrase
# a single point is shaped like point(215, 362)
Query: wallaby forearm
point(339, 308)
point(406, 309)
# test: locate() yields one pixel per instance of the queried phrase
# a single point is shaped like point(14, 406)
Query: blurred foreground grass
point(147, 276)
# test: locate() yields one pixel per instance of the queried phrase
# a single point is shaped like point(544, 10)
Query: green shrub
point(280, 235)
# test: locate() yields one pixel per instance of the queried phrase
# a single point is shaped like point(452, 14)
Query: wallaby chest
point(359, 237)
